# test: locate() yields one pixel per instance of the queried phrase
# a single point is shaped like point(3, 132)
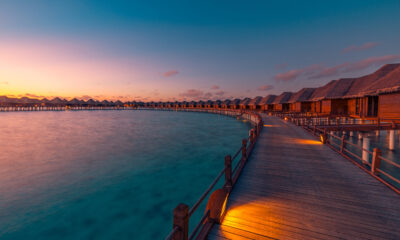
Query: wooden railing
point(215, 209)
point(340, 144)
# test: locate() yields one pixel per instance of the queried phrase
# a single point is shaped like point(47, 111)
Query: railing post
point(181, 220)
point(376, 160)
point(244, 149)
point(228, 173)
point(251, 135)
point(324, 137)
point(342, 145)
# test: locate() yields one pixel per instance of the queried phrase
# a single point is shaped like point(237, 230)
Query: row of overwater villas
point(371, 96)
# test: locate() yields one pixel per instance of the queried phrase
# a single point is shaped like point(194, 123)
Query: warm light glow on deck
point(307, 141)
point(265, 125)
point(241, 220)
point(302, 141)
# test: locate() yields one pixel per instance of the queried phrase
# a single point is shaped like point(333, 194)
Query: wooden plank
point(293, 188)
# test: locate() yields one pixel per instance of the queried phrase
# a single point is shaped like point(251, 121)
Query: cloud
point(171, 73)
point(84, 97)
point(30, 95)
point(355, 48)
point(289, 75)
point(265, 88)
point(4, 83)
point(215, 87)
point(368, 62)
point(319, 71)
point(208, 95)
point(192, 93)
point(219, 93)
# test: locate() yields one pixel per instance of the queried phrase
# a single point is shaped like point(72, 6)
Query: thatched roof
point(267, 100)
point(245, 101)
point(234, 102)
point(74, 101)
point(226, 102)
point(57, 100)
point(301, 96)
point(255, 101)
point(283, 98)
point(384, 80)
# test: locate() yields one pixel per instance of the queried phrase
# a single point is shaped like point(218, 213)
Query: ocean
point(107, 174)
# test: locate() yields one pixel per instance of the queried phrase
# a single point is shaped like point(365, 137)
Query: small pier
point(295, 187)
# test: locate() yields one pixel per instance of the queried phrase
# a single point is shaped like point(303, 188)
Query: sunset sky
point(167, 50)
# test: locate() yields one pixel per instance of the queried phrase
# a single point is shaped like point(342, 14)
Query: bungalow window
point(358, 105)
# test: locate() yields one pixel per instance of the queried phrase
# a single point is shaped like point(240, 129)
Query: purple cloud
point(355, 48)
point(215, 87)
point(192, 93)
point(289, 75)
point(318, 71)
point(171, 73)
point(220, 93)
point(265, 88)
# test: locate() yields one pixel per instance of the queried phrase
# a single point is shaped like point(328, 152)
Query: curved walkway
point(293, 187)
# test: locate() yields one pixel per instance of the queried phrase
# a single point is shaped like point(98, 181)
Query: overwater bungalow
point(280, 103)
point(105, 103)
point(57, 102)
point(265, 103)
point(300, 101)
point(376, 94)
point(217, 104)
point(118, 103)
point(328, 99)
point(176, 104)
point(74, 102)
point(244, 103)
point(254, 103)
point(209, 104)
point(234, 104)
point(225, 104)
point(192, 104)
point(200, 104)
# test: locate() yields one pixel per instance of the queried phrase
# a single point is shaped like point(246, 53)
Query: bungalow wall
point(326, 106)
point(305, 107)
point(339, 106)
point(354, 107)
point(389, 106)
point(277, 107)
point(286, 107)
point(334, 106)
point(316, 107)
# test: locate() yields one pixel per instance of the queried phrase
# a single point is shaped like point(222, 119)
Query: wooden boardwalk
point(293, 187)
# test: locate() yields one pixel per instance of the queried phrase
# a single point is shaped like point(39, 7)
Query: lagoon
point(107, 174)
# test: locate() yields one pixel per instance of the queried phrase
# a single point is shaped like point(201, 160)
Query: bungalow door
point(372, 106)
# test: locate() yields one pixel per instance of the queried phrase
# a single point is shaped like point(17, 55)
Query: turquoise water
point(107, 174)
point(382, 142)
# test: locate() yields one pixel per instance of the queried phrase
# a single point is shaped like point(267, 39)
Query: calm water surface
point(106, 174)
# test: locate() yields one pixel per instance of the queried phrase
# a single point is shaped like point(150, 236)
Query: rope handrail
point(390, 161)
point(183, 209)
point(361, 148)
point(388, 175)
point(236, 154)
point(169, 237)
point(197, 204)
point(205, 216)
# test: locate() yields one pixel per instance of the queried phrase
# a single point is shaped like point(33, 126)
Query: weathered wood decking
point(293, 187)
